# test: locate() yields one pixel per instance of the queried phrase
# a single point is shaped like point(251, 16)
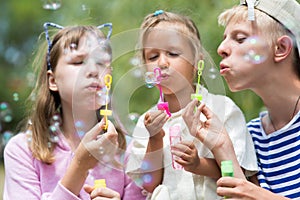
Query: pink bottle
point(175, 137)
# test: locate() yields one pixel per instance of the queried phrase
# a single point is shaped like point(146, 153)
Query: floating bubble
point(102, 98)
point(5, 112)
point(150, 79)
point(147, 178)
point(137, 73)
point(84, 7)
point(29, 135)
point(51, 4)
point(101, 150)
point(15, 96)
point(135, 61)
point(73, 46)
point(133, 117)
point(79, 126)
point(4, 106)
point(145, 165)
point(53, 128)
point(54, 138)
point(56, 120)
point(212, 73)
point(256, 50)
point(6, 137)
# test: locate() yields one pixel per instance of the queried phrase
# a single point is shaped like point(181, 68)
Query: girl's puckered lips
point(94, 86)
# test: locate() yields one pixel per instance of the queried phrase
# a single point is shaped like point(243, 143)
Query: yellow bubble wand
point(106, 112)
point(197, 95)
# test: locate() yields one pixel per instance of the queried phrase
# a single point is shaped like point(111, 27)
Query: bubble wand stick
point(106, 112)
point(161, 105)
point(197, 95)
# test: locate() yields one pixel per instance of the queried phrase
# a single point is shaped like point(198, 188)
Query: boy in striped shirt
point(260, 51)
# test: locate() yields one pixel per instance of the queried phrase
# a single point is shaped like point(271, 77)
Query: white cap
point(287, 12)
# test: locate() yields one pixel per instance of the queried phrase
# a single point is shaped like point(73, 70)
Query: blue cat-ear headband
point(47, 24)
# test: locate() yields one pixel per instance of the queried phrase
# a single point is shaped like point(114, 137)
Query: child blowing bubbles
point(277, 81)
point(171, 42)
point(56, 163)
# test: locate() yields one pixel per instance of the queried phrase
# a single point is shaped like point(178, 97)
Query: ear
point(51, 81)
point(283, 47)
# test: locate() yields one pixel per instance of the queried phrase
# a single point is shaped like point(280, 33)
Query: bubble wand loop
point(106, 112)
point(196, 95)
point(161, 105)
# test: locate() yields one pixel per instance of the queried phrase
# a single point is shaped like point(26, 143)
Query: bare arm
point(212, 134)
point(152, 166)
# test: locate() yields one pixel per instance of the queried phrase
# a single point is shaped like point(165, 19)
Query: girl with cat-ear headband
point(64, 148)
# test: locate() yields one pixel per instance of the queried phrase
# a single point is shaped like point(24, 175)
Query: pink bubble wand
point(161, 105)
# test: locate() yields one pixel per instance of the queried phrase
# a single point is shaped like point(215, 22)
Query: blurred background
point(21, 25)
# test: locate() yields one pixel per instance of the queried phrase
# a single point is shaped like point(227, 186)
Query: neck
point(75, 123)
point(282, 114)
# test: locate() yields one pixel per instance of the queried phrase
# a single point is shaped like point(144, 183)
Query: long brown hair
point(43, 103)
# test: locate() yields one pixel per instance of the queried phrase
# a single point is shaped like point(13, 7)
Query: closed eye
point(80, 62)
point(173, 54)
point(152, 57)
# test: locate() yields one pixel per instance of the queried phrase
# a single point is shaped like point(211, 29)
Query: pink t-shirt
point(29, 178)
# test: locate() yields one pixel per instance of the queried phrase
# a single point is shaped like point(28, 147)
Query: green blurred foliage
point(21, 26)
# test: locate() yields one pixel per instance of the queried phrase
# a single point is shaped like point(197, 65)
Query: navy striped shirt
point(278, 157)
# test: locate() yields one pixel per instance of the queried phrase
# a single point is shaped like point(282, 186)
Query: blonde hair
point(264, 23)
point(46, 102)
point(181, 23)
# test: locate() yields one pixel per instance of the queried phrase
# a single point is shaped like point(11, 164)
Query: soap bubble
point(150, 79)
point(6, 137)
point(51, 4)
point(102, 98)
point(256, 50)
point(56, 120)
point(5, 112)
point(133, 117)
point(213, 73)
point(15, 96)
point(79, 126)
point(147, 178)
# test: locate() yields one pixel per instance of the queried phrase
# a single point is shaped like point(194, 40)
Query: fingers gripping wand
point(197, 95)
point(161, 105)
point(106, 112)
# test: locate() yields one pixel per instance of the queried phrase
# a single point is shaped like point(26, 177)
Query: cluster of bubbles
point(255, 50)
point(51, 4)
point(5, 113)
point(54, 128)
point(5, 117)
point(102, 97)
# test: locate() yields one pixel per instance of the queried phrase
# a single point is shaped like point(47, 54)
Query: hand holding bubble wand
point(197, 94)
point(106, 112)
point(161, 105)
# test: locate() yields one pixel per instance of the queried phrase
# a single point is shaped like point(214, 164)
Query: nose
point(163, 61)
point(92, 70)
point(223, 49)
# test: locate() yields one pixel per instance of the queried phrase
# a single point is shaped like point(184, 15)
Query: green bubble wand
point(197, 95)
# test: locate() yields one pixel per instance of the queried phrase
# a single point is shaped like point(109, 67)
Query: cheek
point(185, 73)
point(150, 67)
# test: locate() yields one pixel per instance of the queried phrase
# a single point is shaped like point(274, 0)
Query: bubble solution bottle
point(175, 137)
point(227, 169)
point(99, 183)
